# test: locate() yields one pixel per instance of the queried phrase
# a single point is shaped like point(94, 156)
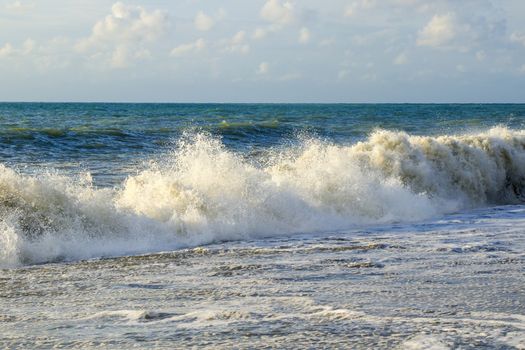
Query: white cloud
point(238, 38)
point(143, 54)
point(184, 49)
point(405, 2)
point(263, 68)
point(125, 24)
point(119, 58)
point(350, 10)
point(401, 59)
point(468, 28)
point(123, 56)
point(481, 55)
point(394, 33)
point(518, 38)
point(28, 46)
point(203, 22)
point(275, 12)
point(438, 32)
point(342, 74)
point(19, 6)
point(260, 33)
point(237, 44)
point(354, 7)
point(127, 29)
point(7, 50)
point(221, 14)
point(304, 35)
point(278, 14)
point(25, 49)
point(368, 4)
point(50, 55)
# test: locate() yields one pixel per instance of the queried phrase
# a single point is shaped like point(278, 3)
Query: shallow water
point(241, 226)
point(456, 282)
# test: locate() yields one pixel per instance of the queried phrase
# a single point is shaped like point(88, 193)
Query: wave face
point(202, 192)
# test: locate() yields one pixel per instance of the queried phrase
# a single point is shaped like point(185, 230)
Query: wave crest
point(202, 192)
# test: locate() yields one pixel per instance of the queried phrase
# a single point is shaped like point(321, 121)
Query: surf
point(202, 192)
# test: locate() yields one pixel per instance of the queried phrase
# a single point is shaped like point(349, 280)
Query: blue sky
point(263, 51)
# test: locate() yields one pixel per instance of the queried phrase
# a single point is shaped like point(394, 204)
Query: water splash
point(202, 192)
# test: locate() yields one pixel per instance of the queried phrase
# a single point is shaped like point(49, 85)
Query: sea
point(273, 226)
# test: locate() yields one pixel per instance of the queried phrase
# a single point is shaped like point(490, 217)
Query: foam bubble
point(202, 192)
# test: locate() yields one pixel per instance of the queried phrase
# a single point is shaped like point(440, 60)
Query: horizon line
point(259, 103)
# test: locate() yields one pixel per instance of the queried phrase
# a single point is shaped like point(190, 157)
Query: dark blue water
point(109, 139)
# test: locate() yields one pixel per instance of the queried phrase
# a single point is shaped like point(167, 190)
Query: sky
point(263, 51)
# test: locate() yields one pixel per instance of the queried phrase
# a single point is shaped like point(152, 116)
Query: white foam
point(425, 342)
point(202, 192)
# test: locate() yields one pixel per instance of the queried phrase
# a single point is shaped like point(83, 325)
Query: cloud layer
point(269, 50)
point(123, 35)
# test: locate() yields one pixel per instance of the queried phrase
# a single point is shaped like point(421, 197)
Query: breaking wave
point(202, 193)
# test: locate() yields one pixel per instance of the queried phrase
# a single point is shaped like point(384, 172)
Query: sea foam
point(202, 192)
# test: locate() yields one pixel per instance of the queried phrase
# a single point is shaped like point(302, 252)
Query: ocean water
point(262, 225)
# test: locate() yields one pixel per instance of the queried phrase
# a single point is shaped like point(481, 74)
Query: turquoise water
point(189, 174)
point(262, 226)
point(109, 139)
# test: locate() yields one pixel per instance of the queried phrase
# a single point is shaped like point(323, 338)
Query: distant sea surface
point(253, 225)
